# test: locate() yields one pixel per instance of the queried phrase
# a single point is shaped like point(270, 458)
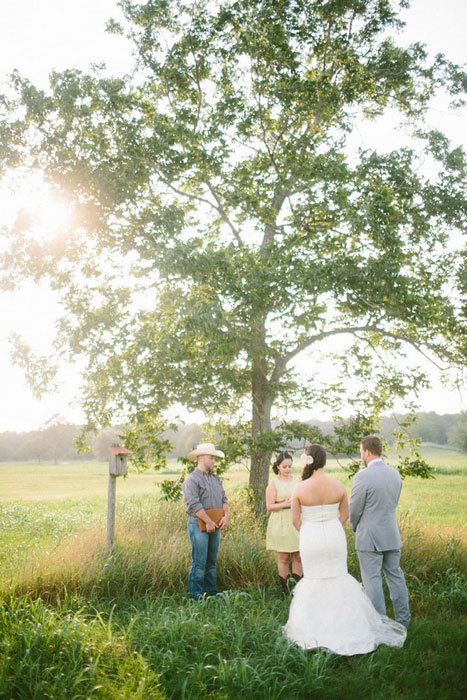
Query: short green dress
point(281, 535)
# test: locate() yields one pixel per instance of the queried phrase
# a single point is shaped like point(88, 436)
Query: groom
point(375, 494)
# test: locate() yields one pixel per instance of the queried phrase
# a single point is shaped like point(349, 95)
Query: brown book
point(215, 514)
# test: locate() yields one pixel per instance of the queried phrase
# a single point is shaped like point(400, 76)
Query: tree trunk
point(261, 422)
point(259, 477)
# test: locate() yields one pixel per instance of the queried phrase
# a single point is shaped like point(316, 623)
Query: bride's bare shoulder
point(299, 486)
point(339, 485)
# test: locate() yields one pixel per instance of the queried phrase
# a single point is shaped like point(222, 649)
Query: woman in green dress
point(281, 536)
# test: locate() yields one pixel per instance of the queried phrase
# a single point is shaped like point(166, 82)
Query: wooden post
point(117, 467)
point(111, 497)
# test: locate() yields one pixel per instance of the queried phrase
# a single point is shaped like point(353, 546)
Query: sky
point(37, 36)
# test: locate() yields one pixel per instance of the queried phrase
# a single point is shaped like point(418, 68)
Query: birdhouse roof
point(120, 451)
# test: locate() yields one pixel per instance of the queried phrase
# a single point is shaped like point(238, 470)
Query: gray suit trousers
point(370, 567)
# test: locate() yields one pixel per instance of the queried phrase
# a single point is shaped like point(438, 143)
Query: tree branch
point(282, 361)
point(223, 213)
point(270, 229)
point(320, 336)
point(219, 208)
point(414, 344)
point(198, 81)
point(196, 197)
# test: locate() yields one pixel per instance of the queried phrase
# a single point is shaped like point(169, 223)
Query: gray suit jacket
point(375, 494)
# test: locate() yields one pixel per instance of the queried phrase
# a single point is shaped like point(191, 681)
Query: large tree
point(223, 223)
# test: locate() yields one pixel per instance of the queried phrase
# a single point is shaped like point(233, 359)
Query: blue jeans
point(204, 549)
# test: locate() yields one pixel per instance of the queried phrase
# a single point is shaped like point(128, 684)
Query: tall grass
point(152, 557)
point(80, 623)
point(64, 652)
point(227, 648)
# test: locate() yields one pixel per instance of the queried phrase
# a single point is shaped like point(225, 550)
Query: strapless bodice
point(319, 514)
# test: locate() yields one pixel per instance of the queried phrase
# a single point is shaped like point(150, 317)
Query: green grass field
point(76, 623)
point(437, 503)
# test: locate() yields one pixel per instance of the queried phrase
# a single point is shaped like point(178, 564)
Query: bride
point(329, 608)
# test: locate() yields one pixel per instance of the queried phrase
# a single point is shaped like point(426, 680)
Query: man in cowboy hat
point(203, 491)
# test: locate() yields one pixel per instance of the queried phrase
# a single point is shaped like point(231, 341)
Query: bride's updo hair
point(279, 459)
point(319, 460)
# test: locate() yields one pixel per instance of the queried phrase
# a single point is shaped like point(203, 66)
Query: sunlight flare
point(28, 198)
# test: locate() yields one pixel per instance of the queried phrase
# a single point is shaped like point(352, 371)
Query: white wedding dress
point(329, 608)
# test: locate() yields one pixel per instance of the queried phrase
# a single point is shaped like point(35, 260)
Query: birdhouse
point(117, 461)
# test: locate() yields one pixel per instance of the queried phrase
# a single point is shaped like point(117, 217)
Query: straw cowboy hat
point(206, 448)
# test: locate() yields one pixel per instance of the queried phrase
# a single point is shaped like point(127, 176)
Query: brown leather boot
point(297, 577)
point(284, 586)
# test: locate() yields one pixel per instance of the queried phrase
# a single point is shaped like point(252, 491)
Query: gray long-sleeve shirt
point(202, 490)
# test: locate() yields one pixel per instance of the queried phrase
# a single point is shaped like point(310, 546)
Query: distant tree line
point(54, 440)
point(448, 429)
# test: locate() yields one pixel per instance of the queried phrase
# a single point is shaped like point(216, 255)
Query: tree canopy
point(223, 225)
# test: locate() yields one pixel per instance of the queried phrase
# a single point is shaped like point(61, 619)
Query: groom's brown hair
point(372, 443)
